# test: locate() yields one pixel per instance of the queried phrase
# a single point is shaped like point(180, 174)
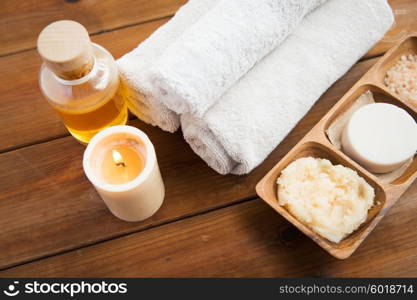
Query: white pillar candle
point(121, 163)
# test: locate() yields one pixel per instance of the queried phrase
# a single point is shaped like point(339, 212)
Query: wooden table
point(53, 223)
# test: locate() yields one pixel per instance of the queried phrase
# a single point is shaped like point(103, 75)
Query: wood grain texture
point(22, 21)
point(245, 240)
point(46, 198)
point(23, 105)
point(99, 16)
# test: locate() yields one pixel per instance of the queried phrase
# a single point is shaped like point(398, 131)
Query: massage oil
point(80, 80)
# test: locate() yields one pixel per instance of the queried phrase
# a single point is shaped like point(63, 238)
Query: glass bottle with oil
point(80, 80)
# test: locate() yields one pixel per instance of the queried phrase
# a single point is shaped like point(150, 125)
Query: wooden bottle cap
point(66, 49)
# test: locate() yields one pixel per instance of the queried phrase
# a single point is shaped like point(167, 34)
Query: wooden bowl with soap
point(325, 141)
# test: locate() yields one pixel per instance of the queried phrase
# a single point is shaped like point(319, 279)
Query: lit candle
point(121, 163)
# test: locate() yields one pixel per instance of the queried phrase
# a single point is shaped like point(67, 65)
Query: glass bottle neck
point(79, 76)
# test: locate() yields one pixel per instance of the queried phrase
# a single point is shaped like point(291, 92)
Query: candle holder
point(121, 163)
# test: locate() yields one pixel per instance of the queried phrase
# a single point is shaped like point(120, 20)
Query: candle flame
point(117, 157)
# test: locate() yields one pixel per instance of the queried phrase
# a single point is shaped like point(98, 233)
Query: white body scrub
point(331, 200)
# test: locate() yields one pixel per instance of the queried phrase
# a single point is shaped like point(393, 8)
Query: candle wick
point(121, 164)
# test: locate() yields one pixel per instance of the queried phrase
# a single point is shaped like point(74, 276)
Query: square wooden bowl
point(317, 144)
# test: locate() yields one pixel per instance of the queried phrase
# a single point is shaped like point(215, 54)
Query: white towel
point(134, 66)
point(256, 114)
point(220, 48)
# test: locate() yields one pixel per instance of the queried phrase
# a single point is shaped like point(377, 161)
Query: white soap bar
point(380, 136)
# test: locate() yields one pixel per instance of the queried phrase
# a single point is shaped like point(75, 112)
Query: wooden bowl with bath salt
point(320, 143)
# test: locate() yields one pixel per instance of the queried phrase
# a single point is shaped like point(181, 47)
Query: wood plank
point(23, 105)
point(21, 21)
point(244, 240)
point(46, 198)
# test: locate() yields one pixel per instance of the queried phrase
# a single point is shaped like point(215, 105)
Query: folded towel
point(221, 47)
point(134, 66)
point(255, 115)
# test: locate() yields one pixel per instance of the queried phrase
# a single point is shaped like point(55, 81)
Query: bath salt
point(401, 79)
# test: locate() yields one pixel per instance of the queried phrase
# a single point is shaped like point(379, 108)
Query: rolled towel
point(134, 66)
point(256, 114)
point(221, 47)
